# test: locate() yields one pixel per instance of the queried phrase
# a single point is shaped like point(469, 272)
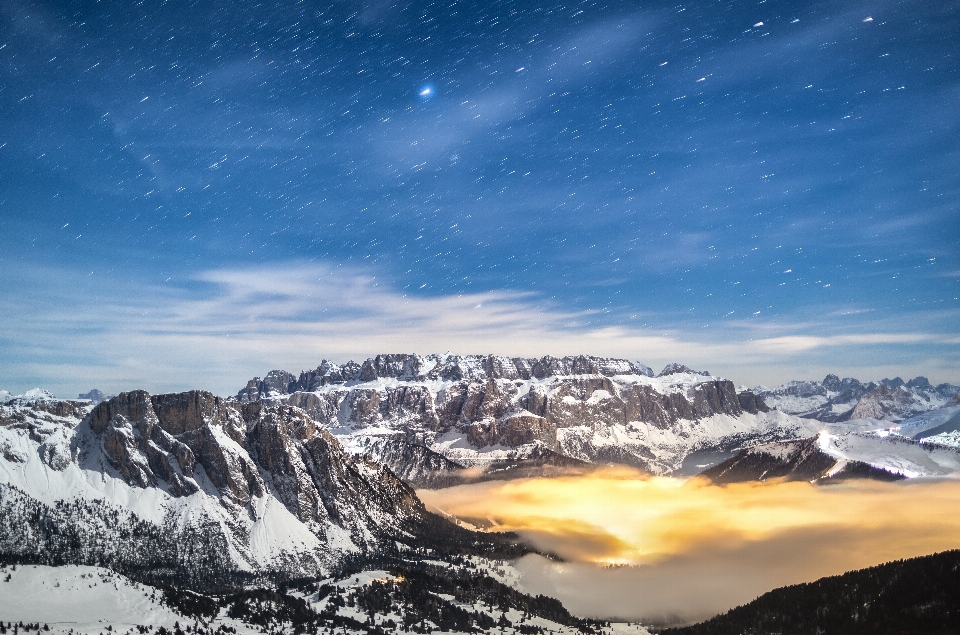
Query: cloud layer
point(696, 549)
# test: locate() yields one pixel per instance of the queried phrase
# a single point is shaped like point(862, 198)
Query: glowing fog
point(701, 548)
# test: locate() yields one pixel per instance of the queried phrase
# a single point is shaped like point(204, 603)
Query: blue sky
point(195, 193)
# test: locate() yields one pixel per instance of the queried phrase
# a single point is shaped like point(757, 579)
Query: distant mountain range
point(435, 420)
point(429, 417)
point(834, 399)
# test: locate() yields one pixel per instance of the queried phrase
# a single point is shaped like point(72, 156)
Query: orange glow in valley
point(731, 542)
point(619, 515)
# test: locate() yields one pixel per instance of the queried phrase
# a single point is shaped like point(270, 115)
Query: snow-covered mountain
point(192, 492)
point(482, 411)
point(879, 454)
point(191, 489)
point(95, 396)
point(925, 445)
point(835, 399)
point(801, 460)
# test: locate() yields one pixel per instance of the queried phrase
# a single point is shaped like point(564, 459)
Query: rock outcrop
point(161, 439)
point(751, 402)
point(134, 443)
point(164, 437)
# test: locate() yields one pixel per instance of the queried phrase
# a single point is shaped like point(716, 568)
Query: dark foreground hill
point(904, 597)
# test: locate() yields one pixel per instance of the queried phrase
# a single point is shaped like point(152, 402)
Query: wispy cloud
point(223, 326)
point(797, 343)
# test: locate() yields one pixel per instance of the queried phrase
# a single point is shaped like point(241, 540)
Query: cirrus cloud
point(221, 326)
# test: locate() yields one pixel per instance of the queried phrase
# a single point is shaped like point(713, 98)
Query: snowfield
point(892, 452)
point(85, 600)
point(78, 598)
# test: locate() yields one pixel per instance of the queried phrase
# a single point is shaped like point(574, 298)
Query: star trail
point(655, 180)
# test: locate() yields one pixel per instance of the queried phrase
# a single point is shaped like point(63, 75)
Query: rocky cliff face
point(247, 452)
point(263, 480)
point(476, 408)
point(883, 402)
point(412, 367)
point(576, 391)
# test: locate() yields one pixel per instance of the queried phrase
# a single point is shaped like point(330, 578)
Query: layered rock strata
point(469, 408)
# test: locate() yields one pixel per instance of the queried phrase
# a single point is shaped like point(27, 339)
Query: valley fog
point(663, 549)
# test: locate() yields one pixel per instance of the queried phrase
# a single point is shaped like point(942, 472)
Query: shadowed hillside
point(919, 595)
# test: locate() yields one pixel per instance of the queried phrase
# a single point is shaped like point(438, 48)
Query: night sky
point(192, 193)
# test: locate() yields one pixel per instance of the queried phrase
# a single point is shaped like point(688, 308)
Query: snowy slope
point(892, 452)
point(947, 439)
point(79, 598)
point(92, 600)
point(878, 454)
point(928, 424)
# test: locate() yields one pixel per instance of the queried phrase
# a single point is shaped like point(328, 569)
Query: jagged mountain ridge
point(833, 399)
point(191, 487)
point(478, 409)
point(413, 367)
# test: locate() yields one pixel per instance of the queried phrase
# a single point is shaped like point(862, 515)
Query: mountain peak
point(676, 369)
point(95, 395)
